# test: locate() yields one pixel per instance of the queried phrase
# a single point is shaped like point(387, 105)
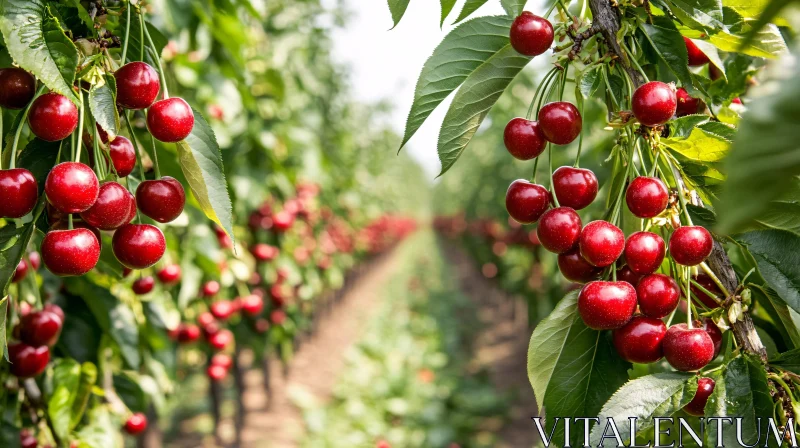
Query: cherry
point(695, 57)
point(706, 282)
point(19, 191)
point(17, 88)
point(162, 199)
point(55, 309)
point(574, 187)
point(262, 326)
point(216, 372)
point(169, 274)
point(688, 348)
point(736, 100)
point(526, 201)
point(690, 245)
point(123, 156)
point(223, 360)
point(52, 117)
point(696, 407)
point(143, 285)
point(601, 243)
point(647, 197)
point(654, 103)
point(70, 252)
point(205, 319)
point(559, 229)
point(27, 440)
point(27, 361)
point(713, 331)
point(132, 211)
point(252, 305)
point(560, 122)
point(606, 305)
point(277, 317)
point(136, 424)
point(137, 85)
point(170, 120)
point(575, 268)
point(687, 105)
point(221, 339)
point(41, 328)
point(20, 272)
point(112, 208)
point(210, 288)
point(138, 246)
point(524, 139)
point(644, 252)
point(282, 221)
point(530, 34)
point(222, 309)
point(72, 187)
point(265, 252)
point(658, 295)
point(640, 340)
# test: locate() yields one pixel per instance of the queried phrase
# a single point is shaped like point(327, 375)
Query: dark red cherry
point(27, 439)
point(265, 252)
point(169, 274)
point(624, 274)
point(526, 202)
point(252, 305)
point(606, 305)
point(658, 295)
point(696, 407)
point(277, 317)
point(574, 268)
point(27, 361)
point(221, 339)
point(70, 252)
point(210, 288)
point(559, 229)
point(123, 156)
point(17, 88)
point(222, 309)
point(216, 372)
point(138, 246)
point(690, 245)
point(282, 221)
point(601, 243)
point(112, 208)
point(223, 360)
point(687, 348)
point(20, 272)
point(137, 85)
point(55, 309)
point(647, 197)
point(530, 34)
point(188, 333)
point(713, 331)
point(695, 56)
point(136, 424)
point(41, 328)
point(162, 199)
point(640, 340)
point(644, 252)
point(560, 122)
point(524, 139)
point(72, 187)
point(170, 120)
point(687, 105)
point(574, 187)
point(35, 259)
point(654, 103)
point(708, 284)
point(143, 285)
point(19, 191)
point(52, 117)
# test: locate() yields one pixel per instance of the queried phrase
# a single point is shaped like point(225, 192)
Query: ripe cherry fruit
point(188, 333)
point(560, 122)
point(575, 268)
point(112, 208)
point(41, 327)
point(223, 360)
point(624, 274)
point(530, 34)
point(143, 285)
point(647, 197)
point(658, 295)
point(169, 274)
point(52, 117)
point(27, 361)
point(19, 191)
point(216, 372)
point(644, 252)
point(606, 305)
point(221, 339)
point(162, 199)
point(27, 439)
point(713, 331)
point(640, 340)
point(170, 120)
point(136, 424)
point(72, 187)
point(696, 407)
point(282, 221)
point(264, 252)
point(687, 105)
point(222, 309)
point(695, 56)
point(574, 187)
point(210, 288)
point(690, 245)
point(70, 252)
point(524, 138)
point(20, 272)
point(138, 246)
point(687, 348)
point(123, 156)
point(137, 85)
point(17, 88)
point(252, 305)
point(654, 103)
point(526, 201)
point(559, 229)
point(601, 243)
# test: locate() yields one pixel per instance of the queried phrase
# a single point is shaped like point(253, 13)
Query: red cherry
point(138, 246)
point(706, 282)
point(640, 340)
point(695, 56)
point(687, 105)
point(143, 285)
point(35, 259)
point(647, 197)
point(221, 339)
point(170, 120)
point(137, 85)
point(526, 202)
point(210, 288)
point(574, 187)
point(644, 252)
point(658, 295)
point(70, 252)
point(19, 191)
point(575, 268)
point(524, 139)
point(41, 328)
point(262, 326)
point(606, 305)
point(736, 100)
point(17, 88)
point(223, 360)
point(222, 309)
point(169, 274)
point(265, 252)
point(560, 122)
point(252, 305)
point(282, 221)
point(601, 243)
point(530, 34)
point(52, 117)
point(696, 407)
point(687, 348)
point(20, 272)
point(205, 319)
point(112, 208)
point(27, 361)
point(123, 156)
point(654, 103)
point(132, 211)
point(136, 424)
point(559, 229)
point(27, 439)
point(55, 309)
point(188, 333)
point(624, 274)
point(216, 372)
point(72, 187)
point(278, 317)
point(162, 199)
point(690, 245)
point(713, 331)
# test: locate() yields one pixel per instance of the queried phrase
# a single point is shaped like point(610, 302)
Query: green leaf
point(723, 130)
point(670, 47)
point(513, 7)
point(39, 157)
point(461, 52)
point(14, 241)
point(473, 100)
point(767, 43)
point(103, 104)
point(126, 384)
point(135, 44)
point(66, 379)
point(9, 435)
point(657, 395)
point(777, 253)
point(3, 325)
point(701, 216)
point(397, 8)
point(780, 315)
point(698, 14)
point(447, 6)
point(572, 368)
point(701, 146)
point(788, 360)
point(83, 393)
point(765, 16)
point(101, 432)
point(38, 44)
point(470, 6)
point(590, 82)
point(682, 127)
point(201, 163)
point(750, 9)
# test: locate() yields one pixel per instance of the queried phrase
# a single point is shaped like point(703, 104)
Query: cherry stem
point(565, 9)
point(550, 160)
point(14, 145)
point(618, 203)
point(135, 146)
point(242, 289)
point(79, 130)
point(564, 83)
point(155, 157)
point(714, 277)
point(671, 315)
point(96, 148)
point(155, 57)
point(580, 139)
point(1, 138)
point(679, 184)
point(705, 291)
point(608, 86)
point(541, 89)
point(69, 221)
point(535, 166)
point(688, 298)
point(127, 34)
point(633, 60)
point(550, 11)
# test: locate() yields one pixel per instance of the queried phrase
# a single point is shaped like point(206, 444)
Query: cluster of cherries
point(37, 331)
